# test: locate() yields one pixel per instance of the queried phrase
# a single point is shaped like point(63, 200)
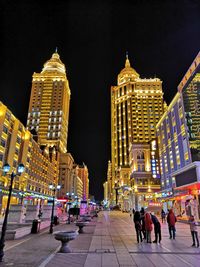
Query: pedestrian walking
point(171, 220)
point(142, 212)
point(138, 226)
point(163, 215)
point(157, 228)
point(148, 226)
point(194, 231)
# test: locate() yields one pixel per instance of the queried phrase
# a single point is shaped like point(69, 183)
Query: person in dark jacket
point(157, 228)
point(138, 226)
point(171, 220)
point(142, 212)
point(163, 215)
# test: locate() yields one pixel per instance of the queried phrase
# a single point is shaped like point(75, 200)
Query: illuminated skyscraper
point(49, 104)
point(178, 133)
point(136, 106)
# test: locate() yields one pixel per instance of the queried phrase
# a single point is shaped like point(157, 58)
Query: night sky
point(161, 37)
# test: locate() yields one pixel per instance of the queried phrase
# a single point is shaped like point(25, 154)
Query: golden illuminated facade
point(109, 181)
point(49, 104)
point(190, 88)
point(77, 183)
point(78, 187)
point(84, 176)
point(41, 166)
point(136, 106)
point(66, 163)
point(145, 172)
point(106, 194)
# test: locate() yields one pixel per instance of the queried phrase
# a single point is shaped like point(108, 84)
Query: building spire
point(127, 63)
point(56, 51)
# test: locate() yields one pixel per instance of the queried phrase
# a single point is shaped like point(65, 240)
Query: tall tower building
point(178, 134)
point(136, 106)
point(84, 176)
point(49, 105)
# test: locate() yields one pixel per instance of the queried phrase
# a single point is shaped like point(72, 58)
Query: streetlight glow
point(20, 168)
point(50, 186)
point(6, 168)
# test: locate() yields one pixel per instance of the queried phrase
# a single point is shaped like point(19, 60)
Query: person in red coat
point(148, 226)
point(171, 220)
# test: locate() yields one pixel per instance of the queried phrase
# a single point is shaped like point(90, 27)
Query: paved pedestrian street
point(108, 240)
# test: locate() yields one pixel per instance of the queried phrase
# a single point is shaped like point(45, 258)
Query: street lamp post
point(53, 188)
point(116, 192)
point(69, 198)
point(69, 204)
point(116, 195)
point(6, 169)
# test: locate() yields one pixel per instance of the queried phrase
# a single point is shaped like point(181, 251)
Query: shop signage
point(23, 194)
point(155, 204)
point(181, 192)
point(167, 194)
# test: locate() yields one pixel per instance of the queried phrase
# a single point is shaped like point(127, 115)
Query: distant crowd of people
point(144, 222)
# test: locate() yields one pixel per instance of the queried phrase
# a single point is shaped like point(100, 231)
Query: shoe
point(170, 237)
point(154, 241)
point(197, 245)
point(193, 245)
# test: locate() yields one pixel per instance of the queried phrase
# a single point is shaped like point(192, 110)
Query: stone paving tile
point(142, 261)
point(125, 259)
point(194, 261)
point(29, 250)
point(93, 260)
point(75, 260)
point(157, 260)
point(109, 260)
point(174, 260)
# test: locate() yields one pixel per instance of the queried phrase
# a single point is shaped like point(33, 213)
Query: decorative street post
point(116, 192)
point(69, 199)
point(6, 169)
point(69, 204)
point(53, 188)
